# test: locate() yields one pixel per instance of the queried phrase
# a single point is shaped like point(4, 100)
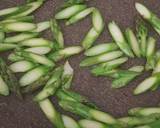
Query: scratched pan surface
point(26, 114)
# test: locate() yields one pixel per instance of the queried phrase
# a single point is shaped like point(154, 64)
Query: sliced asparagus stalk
point(33, 75)
point(142, 33)
point(70, 11)
point(36, 58)
point(149, 16)
point(38, 50)
point(79, 16)
point(18, 27)
point(91, 124)
point(51, 86)
point(69, 3)
point(97, 20)
point(14, 57)
point(2, 36)
point(58, 35)
point(36, 42)
point(87, 112)
point(100, 58)
point(6, 47)
point(157, 55)
point(8, 11)
point(4, 90)
point(119, 38)
point(51, 113)
point(101, 69)
point(90, 38)
point(155, 124)
point(147, 84)
point(157, 68)
point(101, 48)
point(42, 26)
point(21, 66)
point(69, 122)
point(133, 42)
point(137, 69)
point(64, 53)
point(144, 111)
point(67, 76)
point(20, 37)
point(73, 96)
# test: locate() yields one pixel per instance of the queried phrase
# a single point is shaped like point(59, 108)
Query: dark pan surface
point(26, 114)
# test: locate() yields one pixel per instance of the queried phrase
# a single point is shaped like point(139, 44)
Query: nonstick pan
point(15, 113)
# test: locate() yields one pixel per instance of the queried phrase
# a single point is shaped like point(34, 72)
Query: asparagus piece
point(70, 11)
point(58, 35)
point(2, 36)
point(33, 75)
point(133, 42)
point(67, 76)
point(87, 112)
point(4, 90)
point(90, 38)
point(64, 53)
point(142, 33)
point(38, 50)
point(21, 66)
point(149, 16)
point(101, 48)
point(51, 113)
point(155, 124)
point(119, 38)
point(72, 2)
point(42, 26)
point(36, 42)
point(8, 11)
point(79, 16)
point(100, 58)
point(20, 37)
point(69, 122)
point(13, 57)
point(6, 47)
point(36, 58)
point(103, 68)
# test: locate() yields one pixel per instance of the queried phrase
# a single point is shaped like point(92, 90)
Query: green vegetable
point(8, 11)
point(6, 47)
point(100, 58)
point(18, 27)
point(137, 69)
point(20, 37)
point(101, 48)
point(14, 57)
point(36, 42)
point(149, 16)
point(119, 38)
point(42, 26)
point(21, 66)
point(33, 75)
point(79, 16)
point(67, 76)
point(70, 11)
point(4, 90)
point(64, 53)
point(142, 33)
point(38, 50)
point(103, 68)
point(2, 36)
point(133, 42)
point(87, 112)
point(41, 59)
point(51, 113)
point(69, 122)
point(58, 35)
point(90, 38)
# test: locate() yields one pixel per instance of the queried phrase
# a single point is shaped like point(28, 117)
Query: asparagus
point(100, 58)
point(21, 66)
point(155, 124)
point(87, 112)
point(64, 53)
point(101, 48)
point(67, 76)
point(79, 16)
point(119, 38)
point(149, 16)
point(51, 113)
point(2, 36)
point(58, 35)
point(70, 11)
point(20, 37)
point(14, 57)
point(42, 26)
point(69, 122)
point(4, 90)
point(6, 47)
point(133, 42)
